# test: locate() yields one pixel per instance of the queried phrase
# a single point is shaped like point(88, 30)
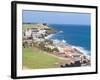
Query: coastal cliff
point(40, 32)
point(38, 26)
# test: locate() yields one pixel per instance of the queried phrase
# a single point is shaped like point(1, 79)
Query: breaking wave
point(49, 36)
point(60, 31)
point(52, 35)
point(81, 49)
point(57, 42)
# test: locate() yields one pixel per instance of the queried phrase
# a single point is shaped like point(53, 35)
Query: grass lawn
point(33, 58)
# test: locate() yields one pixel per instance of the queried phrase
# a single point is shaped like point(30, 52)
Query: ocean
point(75, 35)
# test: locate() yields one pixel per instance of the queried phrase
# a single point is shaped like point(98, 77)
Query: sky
point(56, 17)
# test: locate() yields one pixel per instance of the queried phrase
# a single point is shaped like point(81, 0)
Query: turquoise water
point(76, 35)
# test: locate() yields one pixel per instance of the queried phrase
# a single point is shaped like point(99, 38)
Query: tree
point(42, 45)
point(55, 49)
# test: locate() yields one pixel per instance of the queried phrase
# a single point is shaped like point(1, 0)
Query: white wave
point(64, 41)
point(84, 51)
point(56, 41)
point(49, 36)
point(60, 31)
point(59, 41)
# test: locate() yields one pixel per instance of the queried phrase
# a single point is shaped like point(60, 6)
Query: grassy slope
point(35, 58)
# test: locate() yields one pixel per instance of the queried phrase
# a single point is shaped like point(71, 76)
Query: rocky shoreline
point(37, 36)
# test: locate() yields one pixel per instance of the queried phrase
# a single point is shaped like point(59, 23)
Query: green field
point(34, 58)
